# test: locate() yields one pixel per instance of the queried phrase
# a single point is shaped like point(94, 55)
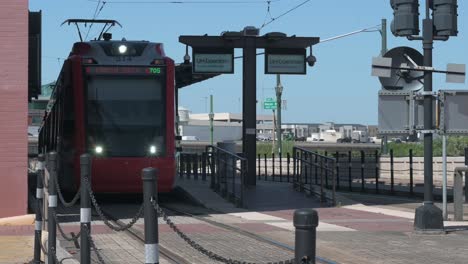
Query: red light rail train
point(116, 101)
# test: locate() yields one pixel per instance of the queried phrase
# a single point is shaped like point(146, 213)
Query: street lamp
point(279, 92)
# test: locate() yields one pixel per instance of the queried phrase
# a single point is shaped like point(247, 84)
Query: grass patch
point(455, 147)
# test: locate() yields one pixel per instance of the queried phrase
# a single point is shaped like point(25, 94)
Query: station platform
point(364, 229)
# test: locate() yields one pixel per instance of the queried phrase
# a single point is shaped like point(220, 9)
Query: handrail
point(314, 153)
point(225, 167)
point(225, 151)
point(320, 166)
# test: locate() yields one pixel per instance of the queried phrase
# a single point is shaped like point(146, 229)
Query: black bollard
point(52, 225)
point(149, 177)
point(39, 197)
point(85, 210)
point(305, 222)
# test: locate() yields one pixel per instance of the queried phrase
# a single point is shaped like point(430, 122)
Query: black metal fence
point(355, 171)
point(225, 170)
point(311, 169)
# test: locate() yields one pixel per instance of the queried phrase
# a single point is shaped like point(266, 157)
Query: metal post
point(212, 158)
point(288, 161)
point(249, 107)
point(337, 168)
point(273, 159)
point(428, 216)
point(52, 225)
point(203, 164)
point(259, 166)
point(350, 166)
point(305, 222)
point(266, 171)
point(316, 169)
point(279, 91)
point(280, 166)
point(411, 171)
point(377, 161)
point(466, 175)
point(444, 177)
point(85, 210)
point(150, 197)
point(39, 197)
point(195, 166)
point(211, 119)
point(383, 50)
point(392, 173)
point(362, 171)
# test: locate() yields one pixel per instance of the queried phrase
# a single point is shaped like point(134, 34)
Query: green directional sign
point(269, 104)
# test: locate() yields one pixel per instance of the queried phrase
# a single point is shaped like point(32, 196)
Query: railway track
point(243, 232)
point(138, 235)
point(195, 213)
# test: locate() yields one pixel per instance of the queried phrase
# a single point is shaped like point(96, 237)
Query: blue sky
point(339, 88)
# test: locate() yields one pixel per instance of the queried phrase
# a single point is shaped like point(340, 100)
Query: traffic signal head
point(405, 17)
point(445, 17)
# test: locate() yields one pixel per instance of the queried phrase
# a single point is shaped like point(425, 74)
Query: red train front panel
point(124, 113)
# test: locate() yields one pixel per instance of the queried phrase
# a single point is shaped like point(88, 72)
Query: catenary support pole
point(305, 222)
point(85, 209)
point(52, 225)
point(383, 50)
point(149, 177)
point(39, 197)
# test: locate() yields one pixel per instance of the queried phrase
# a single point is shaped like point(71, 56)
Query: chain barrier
point(199, 247)
point(93, 246)
point(104, 218)
point(75, 239)
point(62, 199)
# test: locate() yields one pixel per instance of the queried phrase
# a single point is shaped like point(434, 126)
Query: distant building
point(373, 130)
point(228, 126)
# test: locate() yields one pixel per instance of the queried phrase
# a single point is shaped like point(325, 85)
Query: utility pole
point(279, 92)
point(211, 115)
point(383, 50)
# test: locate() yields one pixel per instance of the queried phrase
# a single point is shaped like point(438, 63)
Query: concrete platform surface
point(372, 229)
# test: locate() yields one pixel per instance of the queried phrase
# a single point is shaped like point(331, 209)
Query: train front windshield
point(126, 116)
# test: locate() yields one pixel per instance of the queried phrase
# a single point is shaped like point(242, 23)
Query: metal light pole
point(279, 92)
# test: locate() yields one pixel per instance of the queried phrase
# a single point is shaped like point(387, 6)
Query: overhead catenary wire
point(273, 19)
point(365, 30)
point(96, 14)
point(188, 2)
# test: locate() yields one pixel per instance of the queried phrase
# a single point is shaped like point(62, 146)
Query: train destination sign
point(213, 61)
point(285, 61)
point(108, 70)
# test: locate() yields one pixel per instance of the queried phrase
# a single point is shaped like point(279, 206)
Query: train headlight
point(152, 150)
point(122, 49)
point(98, 149)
